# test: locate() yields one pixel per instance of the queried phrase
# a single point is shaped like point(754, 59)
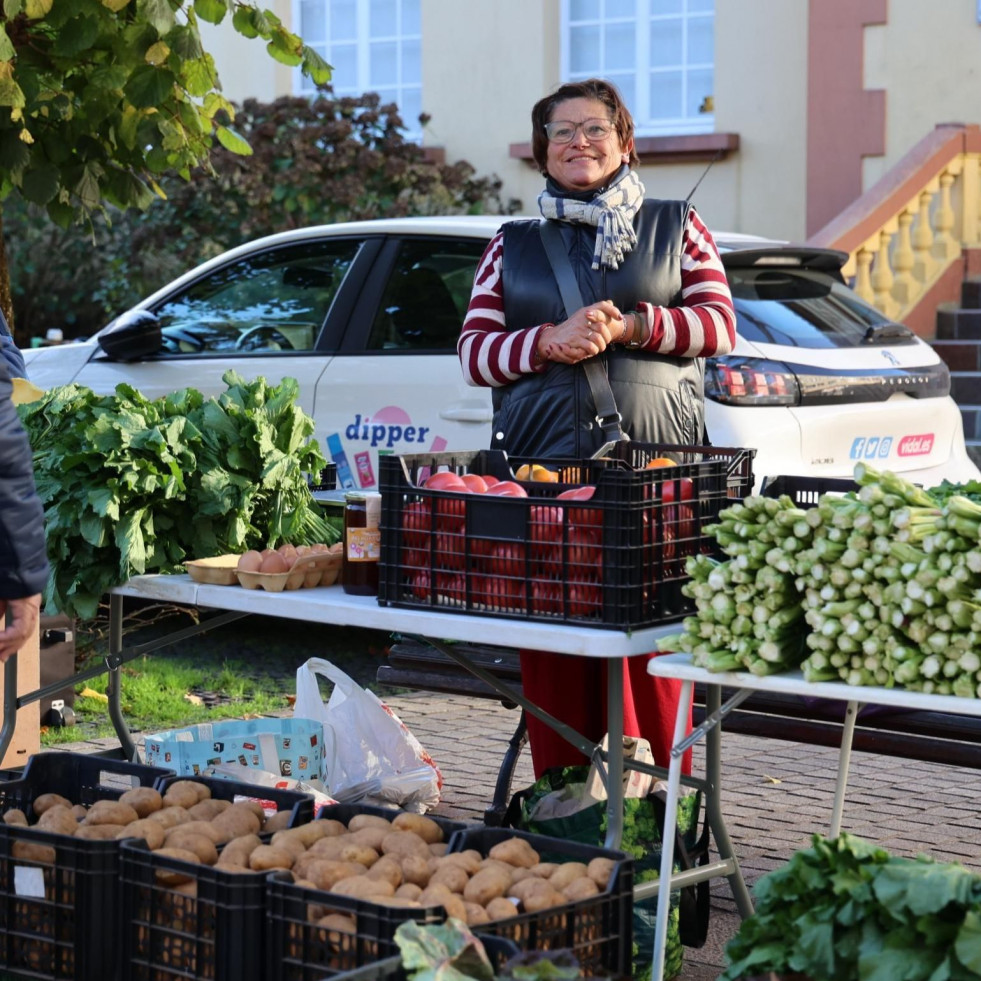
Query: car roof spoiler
point(787, 257)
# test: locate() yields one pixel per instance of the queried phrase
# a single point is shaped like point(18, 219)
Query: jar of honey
point(362, 543)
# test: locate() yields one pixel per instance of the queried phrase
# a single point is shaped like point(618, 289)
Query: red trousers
point(573, 689)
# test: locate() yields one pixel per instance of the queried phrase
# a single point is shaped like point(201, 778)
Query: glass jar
point(362, 543)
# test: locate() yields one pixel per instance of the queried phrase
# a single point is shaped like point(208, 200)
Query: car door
point(268, 313)
point(396, 385)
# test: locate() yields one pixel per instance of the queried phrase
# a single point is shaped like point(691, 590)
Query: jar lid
point(355, 495)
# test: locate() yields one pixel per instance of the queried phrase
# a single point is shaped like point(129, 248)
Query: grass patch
point(243, 669)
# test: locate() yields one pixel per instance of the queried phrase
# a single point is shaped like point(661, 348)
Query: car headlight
point(750, 381)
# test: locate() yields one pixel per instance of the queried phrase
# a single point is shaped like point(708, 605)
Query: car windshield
point(802, 308)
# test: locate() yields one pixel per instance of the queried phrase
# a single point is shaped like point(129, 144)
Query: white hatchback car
point(365, 315)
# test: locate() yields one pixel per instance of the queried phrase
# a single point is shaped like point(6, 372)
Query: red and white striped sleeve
point(705, 323)
point(489, 353)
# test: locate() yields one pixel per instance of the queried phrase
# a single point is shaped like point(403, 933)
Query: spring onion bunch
point(749, 615)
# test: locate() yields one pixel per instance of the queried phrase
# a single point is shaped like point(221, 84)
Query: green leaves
point(847, 909)
point(132, 485)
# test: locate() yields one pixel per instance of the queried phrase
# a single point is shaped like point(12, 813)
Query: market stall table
point(681, 668)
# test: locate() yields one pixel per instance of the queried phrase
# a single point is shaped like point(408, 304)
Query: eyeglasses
point(564, 130)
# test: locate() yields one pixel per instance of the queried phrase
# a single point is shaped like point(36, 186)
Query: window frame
point(634, 82)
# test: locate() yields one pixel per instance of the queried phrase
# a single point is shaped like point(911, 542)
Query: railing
point(907, 230)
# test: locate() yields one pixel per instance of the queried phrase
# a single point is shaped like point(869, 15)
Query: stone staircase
point(958, 342)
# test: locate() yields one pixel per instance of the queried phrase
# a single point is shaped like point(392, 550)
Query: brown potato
point(500, 908)
point(370, 836)
point(544, 869)
point(438, 849)
point(581, 888)
point(566, 873)
point(452, 876)
point(315, 830)
point(360, 821)
point(15, 816)
point(193, 841)
point(324, 873)
point(405, 843)
point(426, 828)
point(143, 800)
point(59, 819)
point(353, 852)
point(278, 821)
point(398, 901)
point(170, 816)
point(79, 810)
point(237, 820)
point(470, 859)
point(238, 850)
point(205, 828)
point(30, 851)
point(208, 809)
point(44, 802)
point(600, 870)
point(174, 877)
point(485, 885)
point(281, 839)
point(152, 832)
point(111, 812)
point(184, 793)
point(475, 914)
point(387, 867)
point(267, 857)
point(533, 884)
point(518, 874)
point(328, 847)
point(408, 890)
point(415, 869)
point(97, 832)
point(363, 887)
point(543, 898)
point(515, 851)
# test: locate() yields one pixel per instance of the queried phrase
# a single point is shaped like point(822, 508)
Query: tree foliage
point(314, 161)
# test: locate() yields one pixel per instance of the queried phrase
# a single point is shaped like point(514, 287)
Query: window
point(272, 301)
point(659, 53)
point(427, 296)
point(372, 45)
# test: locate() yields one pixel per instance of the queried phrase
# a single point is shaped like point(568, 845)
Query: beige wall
point(928, 59)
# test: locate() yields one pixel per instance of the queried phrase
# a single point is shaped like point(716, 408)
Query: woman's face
point(582, 164)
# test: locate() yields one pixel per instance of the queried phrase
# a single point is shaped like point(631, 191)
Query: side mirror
point(133, 335)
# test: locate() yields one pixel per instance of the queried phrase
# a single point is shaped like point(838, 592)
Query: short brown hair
point(590, 88)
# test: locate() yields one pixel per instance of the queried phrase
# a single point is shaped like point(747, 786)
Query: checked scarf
point(612, 211)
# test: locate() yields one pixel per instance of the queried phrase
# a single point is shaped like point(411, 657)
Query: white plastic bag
point(367, 748)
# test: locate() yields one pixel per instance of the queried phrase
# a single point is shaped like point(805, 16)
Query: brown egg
point(267, 551)
point(274, 563)
point(288, 552)
point(249, 561)
point(319, 547)
point(302, 550)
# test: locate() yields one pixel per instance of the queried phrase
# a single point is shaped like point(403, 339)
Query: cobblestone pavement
point(775, 796)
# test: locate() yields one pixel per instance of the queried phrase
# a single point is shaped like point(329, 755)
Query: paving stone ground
point(775, 796)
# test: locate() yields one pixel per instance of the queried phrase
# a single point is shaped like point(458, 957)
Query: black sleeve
point(23, 556)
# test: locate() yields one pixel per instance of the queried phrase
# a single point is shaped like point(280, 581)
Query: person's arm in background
point(10, 352)
point(23, 554)
point(705, 323)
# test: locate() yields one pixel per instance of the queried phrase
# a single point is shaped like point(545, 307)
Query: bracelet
point(622, 339)
point(637, 342)
point(538, 359)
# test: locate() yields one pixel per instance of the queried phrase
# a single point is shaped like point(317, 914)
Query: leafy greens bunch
point(132, 485)
point(846, 910)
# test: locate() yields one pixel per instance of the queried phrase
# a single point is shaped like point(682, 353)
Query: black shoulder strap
point(608, 417)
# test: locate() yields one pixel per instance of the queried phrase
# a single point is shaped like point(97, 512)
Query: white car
point(365, 315)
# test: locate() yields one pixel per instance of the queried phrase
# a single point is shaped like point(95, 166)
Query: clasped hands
point(588, 332)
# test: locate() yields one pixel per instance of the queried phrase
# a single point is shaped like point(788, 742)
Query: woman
point(656, 304)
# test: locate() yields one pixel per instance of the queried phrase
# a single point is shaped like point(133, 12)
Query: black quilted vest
point(661, 399)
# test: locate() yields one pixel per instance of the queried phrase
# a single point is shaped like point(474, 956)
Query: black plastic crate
point(806, 491)
point(301, 947)
point(272, 799)
point(326, 480)
point(615, 559)
point(59, 911)
point(498, 949)
point(598, 930)
point(344, 813)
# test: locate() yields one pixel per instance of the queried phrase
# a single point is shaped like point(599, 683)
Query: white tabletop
point(330, 604)
point(792, 683)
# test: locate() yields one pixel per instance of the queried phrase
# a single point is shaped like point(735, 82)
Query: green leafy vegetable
point(132, 485)
point(442, 952)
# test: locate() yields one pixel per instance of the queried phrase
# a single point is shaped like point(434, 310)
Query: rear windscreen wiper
point(883, 333)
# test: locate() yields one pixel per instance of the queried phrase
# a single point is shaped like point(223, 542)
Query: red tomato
point(585, 599)
point(450, 551)
point(415, 558)
point(445, 480)
point(416, 525)
point(475, 483)
point(591, 517)
point(545, 536)
point(585, 556)
point(508, 559)
point(420, 585)
point(489, 480)
point(546, 597)
point(497, 593)
point(451, 586)
point(507, 488)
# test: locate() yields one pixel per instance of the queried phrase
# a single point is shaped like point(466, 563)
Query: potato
point(439, 895)
point(184, 793)
point(353, 852)
point(111, 812)
point(485, 885)
point(363, 887)
point(193, 841)
point(208, 809)
point(397, 901)
point(205, 828)
point(426, 828)
point(475, 914)
point(600, 870)
point(581, 888)
point(278, 821)
point(315, 830)
point(170, 816)
point(152, 832)
point(415, 869)
point(79, 811)
point(544, 898)
point(515, 851)
point(545, 869)
point(44, 802)
point(533, 884)
point(405, 843)
point(238, 850)
point(328, 847)
point(565, 874)
point(387, 867)
point(324, 873)
point(438, 849)
point(470, 859)
point(30, 851)
point(408, 890)
point(174, 877)
point(500, 908)
point(237, 820)
point(15, 816)
point(360, 821)
point(143, 800)
point(97, 832)
point(267, 857)
point(288, 842)
point(58, 819)
point(370, 837)
point(452, 876)
point(518, 874)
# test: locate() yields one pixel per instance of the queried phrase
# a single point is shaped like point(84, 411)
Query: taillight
point(750, 381)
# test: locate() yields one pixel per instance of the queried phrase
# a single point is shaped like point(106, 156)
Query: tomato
point(591, 517)
point(585, 556)
point(507, 559)
point(420, 585)
point(445, 480)
point(475, 483)
point(489, 480)
point(507, 488)
point(497, 593)
point(450, 550)
point(679, 519)
point(585, 599)
point(416, 525)
point(545, 537)
point(451, 586)
point(546, 597)
point(415, 558)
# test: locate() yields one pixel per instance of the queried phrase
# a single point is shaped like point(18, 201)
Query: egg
point(288, 552)
point(267, 551)
point(302, 550)
point(249, 561)
point(274, 563)
point(318, 548)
